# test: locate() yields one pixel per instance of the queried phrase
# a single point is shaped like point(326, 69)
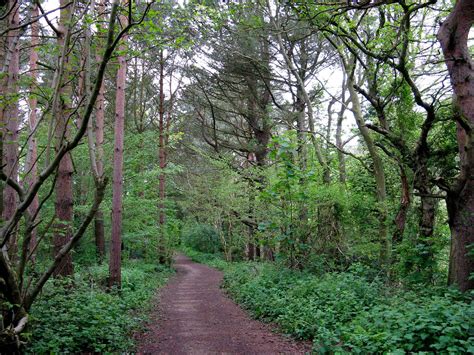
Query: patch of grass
point(79, 315)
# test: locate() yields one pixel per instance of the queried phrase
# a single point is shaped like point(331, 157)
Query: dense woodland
point(319, 152)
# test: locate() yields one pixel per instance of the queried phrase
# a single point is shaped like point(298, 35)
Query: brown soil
point(195, 317)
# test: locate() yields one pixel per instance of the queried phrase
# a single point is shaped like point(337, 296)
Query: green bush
point(346, 312)
point(414, 323)
point(78, 315)
point(214, 260)
point(201, 237)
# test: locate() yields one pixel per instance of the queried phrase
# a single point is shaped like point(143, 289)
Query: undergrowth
point(79, 315)
point(348, 312)
point(214, 260)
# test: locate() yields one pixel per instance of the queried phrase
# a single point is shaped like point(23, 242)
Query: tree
point(62, 113)
point(32, 158)
point(115, 278)
point(11, 120)
point(20, 284)
point(453, 36)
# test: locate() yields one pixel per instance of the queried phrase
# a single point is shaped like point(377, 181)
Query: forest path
point(195, 317)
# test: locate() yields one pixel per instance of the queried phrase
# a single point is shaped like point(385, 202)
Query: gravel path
point(195, 317)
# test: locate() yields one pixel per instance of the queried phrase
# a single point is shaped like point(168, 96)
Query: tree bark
point(64, 184)
point(339, 142)
point(3, 90)
point(405, 200)
point(115, 278)
point(453, 37)
point(11, 116)
point(97, 147)
point(162, 162)
point(32, 168)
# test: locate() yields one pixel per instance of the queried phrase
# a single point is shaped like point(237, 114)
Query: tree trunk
point(99, 146)
point(251, 242)
point(117, 187)
point(64, 184)
point(339, 143)
point(379, 175)
point(3, 91)
point(32, 168)
point(99, 235)
point(453, 37)
point(99, 232)
point(405, 200)
point(10, 147)
point(162, 161)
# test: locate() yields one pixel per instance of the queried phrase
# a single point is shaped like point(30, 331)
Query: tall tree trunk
point(115, 276)
point(379, 174)
point(99, 147)
point(339, 142)
point(31, 167)
point(453, 36)
point(3, 90)
point(64, 183)
point(162, 161)
point(95, 132)
point(11, 116)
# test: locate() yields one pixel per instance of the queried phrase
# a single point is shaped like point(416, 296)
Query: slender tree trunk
point(96, 146)
point(115, 277)
point(340, 155)
point(453, 36)
point(162, 161)
point(3, 90)
point(379, 175)
point(339, 143)
point(10, 148)
point(32, 168)
point(251, 247)
point(99, 146)
point(64, 183)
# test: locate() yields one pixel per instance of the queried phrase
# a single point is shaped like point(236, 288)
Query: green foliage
point(414, 323)
point(78, 315)
point(201, 237)
point(213, 260)
point(348, 312)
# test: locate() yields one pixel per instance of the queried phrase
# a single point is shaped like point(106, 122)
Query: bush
point(201, 237)
point(414, 323)
point(346, 312)
point(78, 315)
point(213, 260)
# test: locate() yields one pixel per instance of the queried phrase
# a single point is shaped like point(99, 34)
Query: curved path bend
point(195, 317)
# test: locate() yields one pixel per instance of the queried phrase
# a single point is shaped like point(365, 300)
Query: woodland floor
point(194, 316)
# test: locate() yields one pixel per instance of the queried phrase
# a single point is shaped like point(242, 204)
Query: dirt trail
point(195, 317)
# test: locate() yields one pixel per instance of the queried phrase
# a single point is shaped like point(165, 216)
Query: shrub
point(414, 323)
point(346, 312)
point(214, 260)
point(201, 237)
point(78, 315)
